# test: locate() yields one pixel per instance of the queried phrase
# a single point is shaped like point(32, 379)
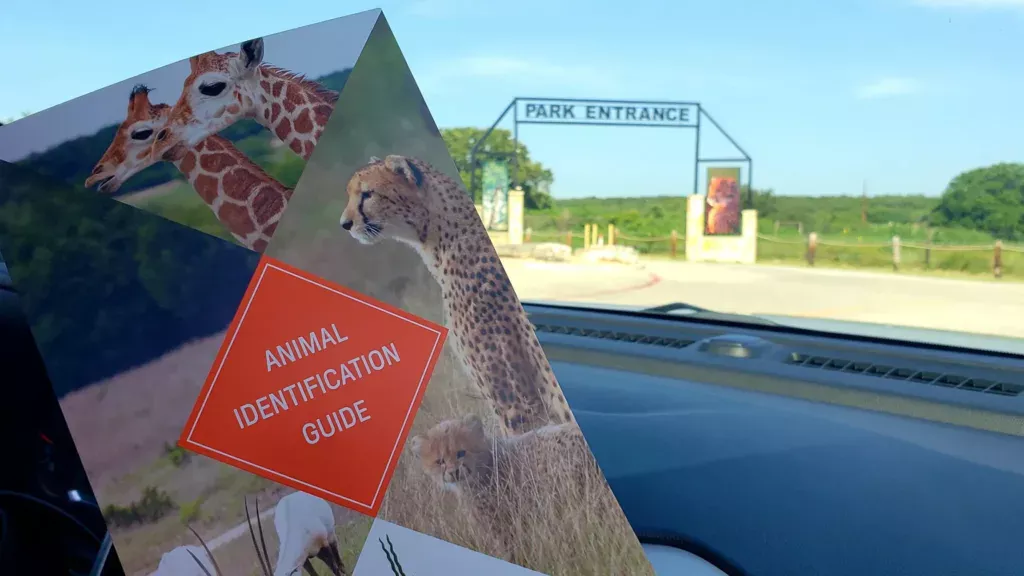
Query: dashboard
point(775, 452)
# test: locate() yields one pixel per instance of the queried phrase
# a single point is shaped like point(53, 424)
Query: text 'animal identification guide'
point(315, 387)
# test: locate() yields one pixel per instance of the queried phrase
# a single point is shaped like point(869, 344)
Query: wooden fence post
point(812, 247)
point(997, 259)
point(672, 240)
point(928, 249)
point(568, 238)
point(895, 253)
point(611, 234)
point(586, 236)
point(528, 233)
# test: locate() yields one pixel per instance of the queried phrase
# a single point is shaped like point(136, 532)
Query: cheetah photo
point(495, 461)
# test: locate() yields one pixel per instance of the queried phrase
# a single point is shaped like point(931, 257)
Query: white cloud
point(978, 4)
point(888, 87)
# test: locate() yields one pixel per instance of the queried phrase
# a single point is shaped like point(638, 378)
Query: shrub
point(152, 506)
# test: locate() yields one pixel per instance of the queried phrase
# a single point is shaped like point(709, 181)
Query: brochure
point(280, 334)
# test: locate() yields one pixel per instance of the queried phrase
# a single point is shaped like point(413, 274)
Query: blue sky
point(823, 95)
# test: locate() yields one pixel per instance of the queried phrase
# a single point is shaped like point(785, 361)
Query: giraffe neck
point(246, 200)
point(293, 108)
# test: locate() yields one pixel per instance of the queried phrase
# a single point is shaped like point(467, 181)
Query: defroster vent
point(944, 379)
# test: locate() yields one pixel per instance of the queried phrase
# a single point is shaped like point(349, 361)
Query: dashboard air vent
point(907, 374)
point(613, 335)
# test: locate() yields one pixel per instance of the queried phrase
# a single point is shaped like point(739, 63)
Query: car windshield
point(816, 177)
point(861, 175)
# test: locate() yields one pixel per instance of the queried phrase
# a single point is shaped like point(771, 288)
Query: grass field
point(178, 202)
point(647, 223)
point(844, 240)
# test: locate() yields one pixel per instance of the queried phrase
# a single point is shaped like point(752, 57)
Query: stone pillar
point(516, 199)
point(749, 232)
point(694, 227)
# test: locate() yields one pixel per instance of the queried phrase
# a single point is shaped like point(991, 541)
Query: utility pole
point(864, 202)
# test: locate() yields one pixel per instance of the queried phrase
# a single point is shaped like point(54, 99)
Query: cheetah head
point(454, 452)
point(386, 199)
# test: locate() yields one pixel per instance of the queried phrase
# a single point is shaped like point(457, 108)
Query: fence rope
point(637, 239)
point(779, 240)
point(803, 242)
point(914, 245)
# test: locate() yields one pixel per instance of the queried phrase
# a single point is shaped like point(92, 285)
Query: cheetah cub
point(497, 475)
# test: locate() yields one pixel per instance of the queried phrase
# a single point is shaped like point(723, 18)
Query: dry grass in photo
point(558, 514)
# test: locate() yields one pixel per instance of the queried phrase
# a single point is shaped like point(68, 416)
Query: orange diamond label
point(315, 387)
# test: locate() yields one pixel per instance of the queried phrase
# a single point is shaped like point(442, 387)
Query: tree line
point(987, 200)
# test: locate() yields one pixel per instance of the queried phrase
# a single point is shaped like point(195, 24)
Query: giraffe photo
point(221, 90)
point(242, 196)
point(216, 143)
point(232, 181)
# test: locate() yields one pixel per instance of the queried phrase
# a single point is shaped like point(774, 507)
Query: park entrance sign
point(669, 114)
point(717, 226)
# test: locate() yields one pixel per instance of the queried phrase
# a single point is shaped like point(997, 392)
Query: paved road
point(994, 308)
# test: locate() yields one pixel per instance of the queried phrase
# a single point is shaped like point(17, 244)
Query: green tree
point(10, 119)
point(989, 199)
point(533, 177)
point(764, 202)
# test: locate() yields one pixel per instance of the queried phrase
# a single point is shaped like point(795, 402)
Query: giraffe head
point(128, 153)
point(219, 90)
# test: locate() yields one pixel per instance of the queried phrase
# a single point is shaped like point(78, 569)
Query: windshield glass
point(817, 177)
point(863, 174)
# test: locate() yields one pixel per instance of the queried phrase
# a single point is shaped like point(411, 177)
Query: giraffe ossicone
point(222, 89)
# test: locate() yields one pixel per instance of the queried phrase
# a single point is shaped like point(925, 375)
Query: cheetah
point(502, 479)
point(462, 458)
point(408, 200)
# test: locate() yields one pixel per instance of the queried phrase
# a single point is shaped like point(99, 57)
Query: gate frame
point(702, 113)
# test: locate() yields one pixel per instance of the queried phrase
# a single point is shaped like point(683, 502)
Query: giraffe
point(222, 89)
point(246, 200)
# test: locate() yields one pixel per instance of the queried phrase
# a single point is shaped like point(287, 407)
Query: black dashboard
point(773, 451)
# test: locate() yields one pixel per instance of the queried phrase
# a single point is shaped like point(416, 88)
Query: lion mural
point(723, 212)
